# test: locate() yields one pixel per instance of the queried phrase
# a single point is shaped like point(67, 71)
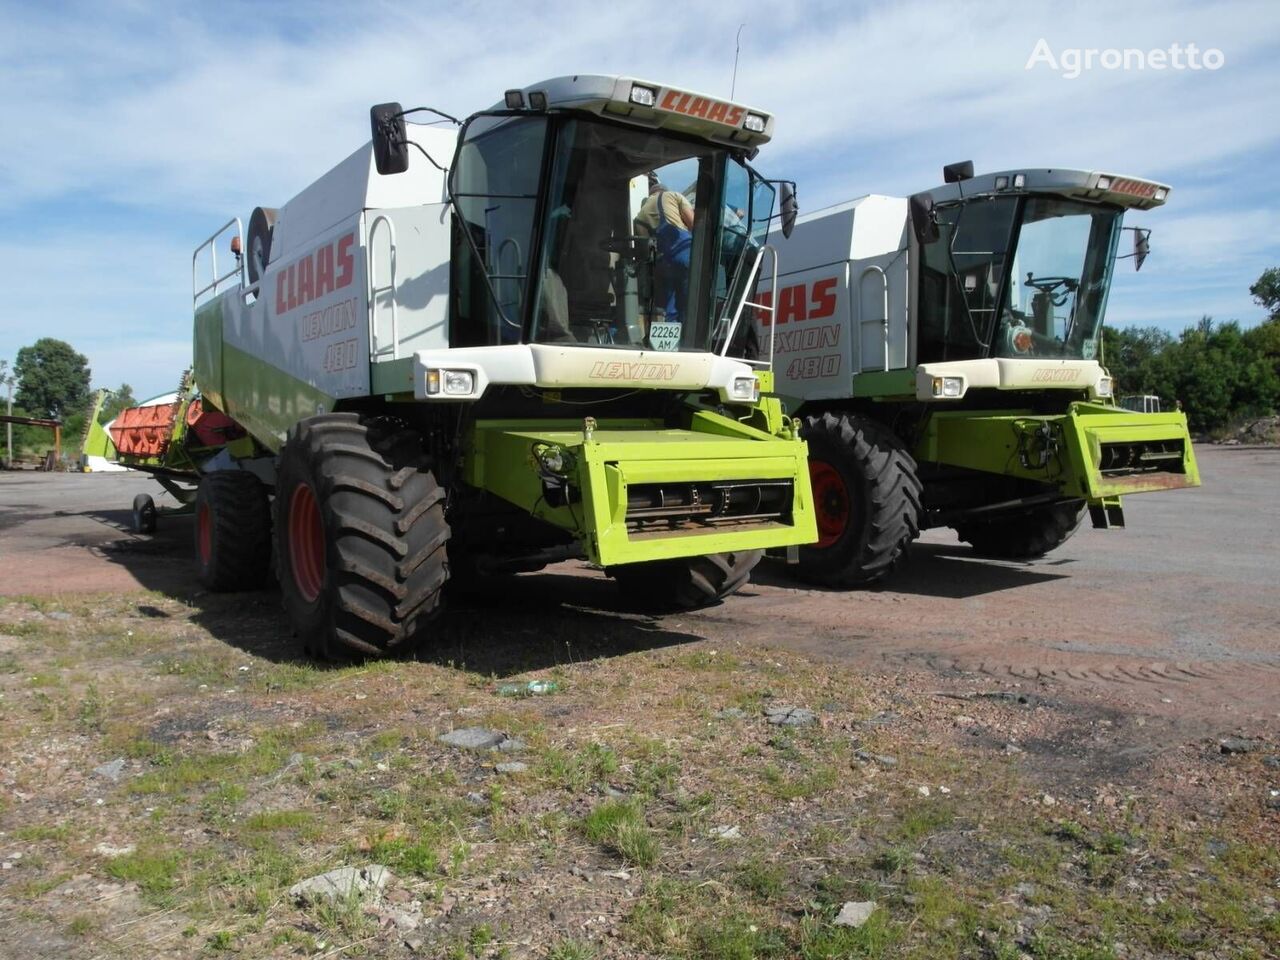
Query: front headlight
point(746, 389)
point(948, 386)
point(1104, 387)
point(459, 383)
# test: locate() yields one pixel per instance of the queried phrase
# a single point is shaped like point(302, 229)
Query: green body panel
point(207, 351)
point(1014, 443)
point(97, 442)
point(392, 377)
point(885, 383)
point(266, 401)
point(500, 458)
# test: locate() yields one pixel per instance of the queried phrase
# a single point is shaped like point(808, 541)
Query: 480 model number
point(340, 356)
point(810, 368)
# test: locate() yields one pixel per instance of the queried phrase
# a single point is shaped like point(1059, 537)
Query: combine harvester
point(460, 352)
point(944, 352)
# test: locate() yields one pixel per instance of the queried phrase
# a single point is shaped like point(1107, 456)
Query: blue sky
point(132, 130)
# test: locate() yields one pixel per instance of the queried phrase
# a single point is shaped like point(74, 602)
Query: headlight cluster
point(450, 383)
point(948, 386)
point(745, 389)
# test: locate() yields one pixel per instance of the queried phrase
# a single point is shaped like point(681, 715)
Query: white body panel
point(843, 295)
point(320, 313)
point(1001, 373)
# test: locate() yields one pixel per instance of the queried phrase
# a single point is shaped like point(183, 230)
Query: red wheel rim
point(831, 502)
point(306, 543)
point(204, 533)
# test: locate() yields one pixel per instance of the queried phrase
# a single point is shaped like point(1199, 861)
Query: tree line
point(1220, 374)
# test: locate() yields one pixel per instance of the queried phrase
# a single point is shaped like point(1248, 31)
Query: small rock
point(512, 766)
point(1239, 745)
point(581, 874)
point(1012, 748)
point(944, 790)
point(731, 713)
point(787, 716)
point(472, 738)
point(354, 763)
point(59, 615)
point(511, 745)
point(725, 832)
point(1272, 762)
point(107, 850)
point(340, 883)
point(1048, 800)
point(855, 914)
point(923, 791)
point(1025, 889)
point(111, 771)
point(477, 799)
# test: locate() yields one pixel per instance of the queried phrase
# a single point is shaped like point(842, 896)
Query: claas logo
point(802, 302)
point(704, 107)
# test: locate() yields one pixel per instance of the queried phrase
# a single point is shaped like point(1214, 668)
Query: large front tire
point(687, 583)
point(1024, 536)
point(867, 499)
point(360, 536)
point(233, 531)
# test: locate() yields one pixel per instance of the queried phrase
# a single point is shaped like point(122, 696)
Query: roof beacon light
point(644, 96)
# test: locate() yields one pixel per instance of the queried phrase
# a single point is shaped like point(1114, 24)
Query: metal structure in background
point(53, 458)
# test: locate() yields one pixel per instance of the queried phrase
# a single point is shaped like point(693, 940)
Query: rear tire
point(1024, 536)
point(867, 499)
point(687, 583)
point(233, 531)
point(144, 514)
point(360, 536)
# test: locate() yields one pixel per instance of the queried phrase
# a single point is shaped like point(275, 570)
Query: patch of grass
point(37, 832)
point(923, 819)
point(571, 950)
point(419, 856)
point(343, 916)
point(820, 779)
point(220, 940)
point(762, 879)
point(280, 820)
point(82, 925)
point(619, 826)
point(154, 871)
point(90, 716)
point(820, 940)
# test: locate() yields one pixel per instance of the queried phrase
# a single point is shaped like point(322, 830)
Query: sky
point(132, 130)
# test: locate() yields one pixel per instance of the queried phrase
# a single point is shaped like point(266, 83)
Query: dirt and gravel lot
point(1078, 757)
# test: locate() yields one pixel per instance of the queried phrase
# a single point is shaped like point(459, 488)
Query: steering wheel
point(632, 247)
point(1058, 288)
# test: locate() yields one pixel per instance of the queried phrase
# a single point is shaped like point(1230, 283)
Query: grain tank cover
point(652, 105)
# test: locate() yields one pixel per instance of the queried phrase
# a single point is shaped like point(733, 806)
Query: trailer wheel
point(867, 499)
point(144, 514)
point(262, 224)
point(360, 536)
point(233, 531)
point(1024, 536)
point(686, 583)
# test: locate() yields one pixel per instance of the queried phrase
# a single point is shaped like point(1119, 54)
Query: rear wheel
point(233, 531)
point(144, 514)
point(1024, 536)
point(360, 536)
point(686, 583)
point(867, 499)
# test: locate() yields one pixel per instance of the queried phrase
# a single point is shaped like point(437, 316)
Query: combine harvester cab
point(480, 349)
point(944, 351)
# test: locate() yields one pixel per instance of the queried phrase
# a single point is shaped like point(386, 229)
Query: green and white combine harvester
point(944, 352)
point(460, 352)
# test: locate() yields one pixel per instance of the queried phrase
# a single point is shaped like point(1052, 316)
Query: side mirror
point(390, 141)
point(955, 172)
point(1141, 247)
point(924, 222)
point(790, 209)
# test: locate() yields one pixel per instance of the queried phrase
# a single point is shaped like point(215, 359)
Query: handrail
point(213, 261)
point(374, 291)
point(884, 320)
point(770, 307)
